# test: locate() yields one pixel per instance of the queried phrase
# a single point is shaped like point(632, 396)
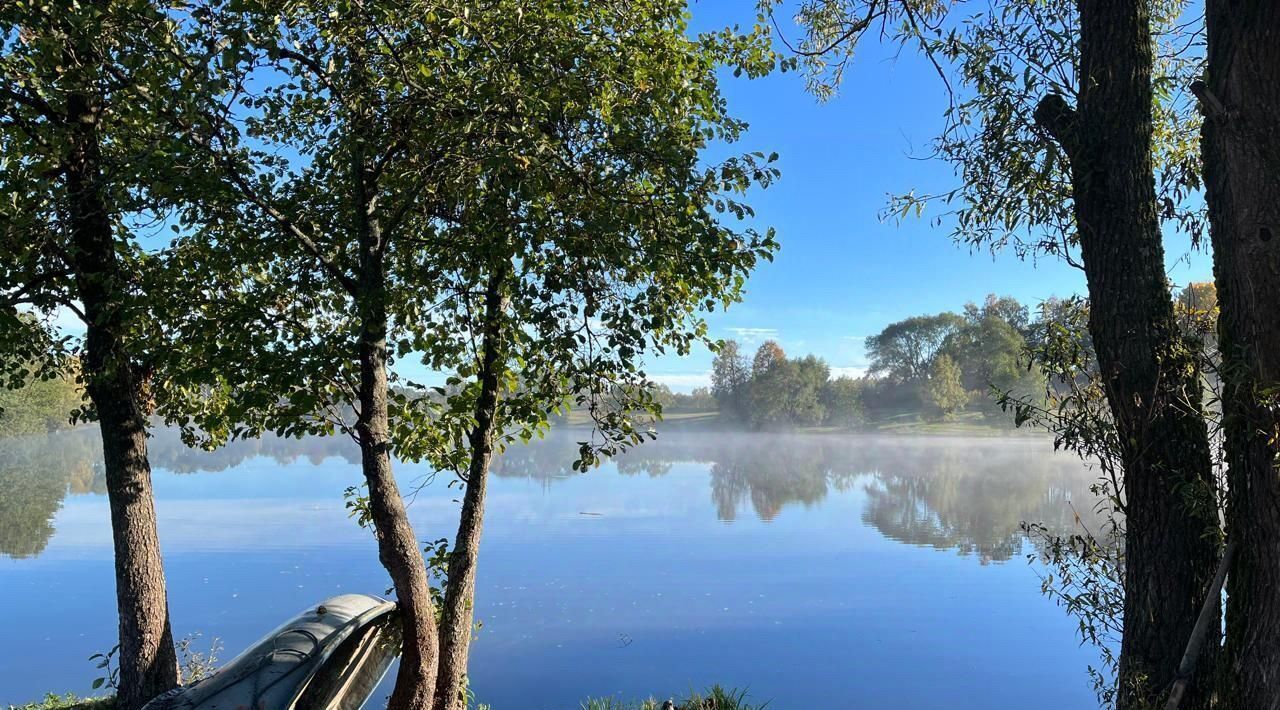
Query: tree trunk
point(455, 630)
point(1241, 100)
point(398, 547)
point(1149, 375)
point(148, 663)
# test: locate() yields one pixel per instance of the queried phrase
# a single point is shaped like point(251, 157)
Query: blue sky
point(842, 273)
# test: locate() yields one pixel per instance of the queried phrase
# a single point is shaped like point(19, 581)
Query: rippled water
point(817, 571)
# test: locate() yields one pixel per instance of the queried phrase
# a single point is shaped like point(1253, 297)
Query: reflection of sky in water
point(770, 562)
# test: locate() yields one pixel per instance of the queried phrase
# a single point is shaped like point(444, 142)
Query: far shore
point(906, 424)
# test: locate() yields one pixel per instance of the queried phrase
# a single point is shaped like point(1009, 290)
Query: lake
point(818, 571)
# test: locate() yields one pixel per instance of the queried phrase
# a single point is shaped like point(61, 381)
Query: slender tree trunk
point(1149, 375)
point(455, 630)
point(148, 663)
point(1241, 101)
point(398, 547)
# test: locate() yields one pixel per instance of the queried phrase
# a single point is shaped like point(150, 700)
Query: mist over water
point(816, 570)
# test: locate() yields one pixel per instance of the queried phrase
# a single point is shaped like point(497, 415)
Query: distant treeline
point(931, 366)
point(39, 405)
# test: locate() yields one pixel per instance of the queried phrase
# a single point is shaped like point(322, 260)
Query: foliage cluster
point(39, 405)
point(780, 392)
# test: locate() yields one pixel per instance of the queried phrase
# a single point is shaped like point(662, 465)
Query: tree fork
point(455, 632)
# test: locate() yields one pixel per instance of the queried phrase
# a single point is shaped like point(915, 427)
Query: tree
point(1196, 307)
point(842, 400)
point(946, 391)
point(39, 405)
point(789, 392)
point(1007, 309)
point(514, 195)
point(1083, 178)
point(905, 350)
point(87, 165)
point(1150, 379)
point(1240, 101)
point(609, 249)
point(989, 349)
point(730, 379)
point(318, 257)
point(767, 355)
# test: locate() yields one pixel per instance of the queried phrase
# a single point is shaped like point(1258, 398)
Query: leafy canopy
point(552, 153)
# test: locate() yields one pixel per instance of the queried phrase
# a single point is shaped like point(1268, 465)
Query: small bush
point(69, 701)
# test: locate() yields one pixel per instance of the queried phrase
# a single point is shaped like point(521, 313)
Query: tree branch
point(28, 290)
point(290, 227)
point(1210, 105)
point(1055, 116)
point(34, 103)
point(1205, 620)
point(853, 29)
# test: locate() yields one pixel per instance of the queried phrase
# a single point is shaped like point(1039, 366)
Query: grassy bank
point(68, 702)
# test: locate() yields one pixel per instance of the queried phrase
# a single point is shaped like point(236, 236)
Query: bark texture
point(1241, 101)
point(1150, 376)
point(148, 662)
point(398, 548)
point(458, 613)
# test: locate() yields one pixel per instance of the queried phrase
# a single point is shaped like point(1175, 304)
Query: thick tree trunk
point(148, 663)
point(1241, 101)
point(398, 547)
point(457, 618)
point(1150, 377)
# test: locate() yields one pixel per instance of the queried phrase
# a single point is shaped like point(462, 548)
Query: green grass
point(68, 702)
point(716, 698)
point(964, 423)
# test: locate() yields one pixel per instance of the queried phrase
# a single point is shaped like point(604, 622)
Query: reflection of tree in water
point(770, 476)
point(903, 509)
point(544, 460)
point(167, 452)
point(967, 494)
point(970, 495)
point(973, 498)
point(36, 473)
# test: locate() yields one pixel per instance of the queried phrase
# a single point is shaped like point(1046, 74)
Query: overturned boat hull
point(329, 657)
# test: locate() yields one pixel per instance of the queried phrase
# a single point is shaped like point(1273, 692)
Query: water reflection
point(767, 562)
point(969, 495)
point(36, 473)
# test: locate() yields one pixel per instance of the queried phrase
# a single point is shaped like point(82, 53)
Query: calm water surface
point(820, 572)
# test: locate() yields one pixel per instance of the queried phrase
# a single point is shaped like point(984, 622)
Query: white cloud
point(851, 371)
point(683, 381)
point(751, 335)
